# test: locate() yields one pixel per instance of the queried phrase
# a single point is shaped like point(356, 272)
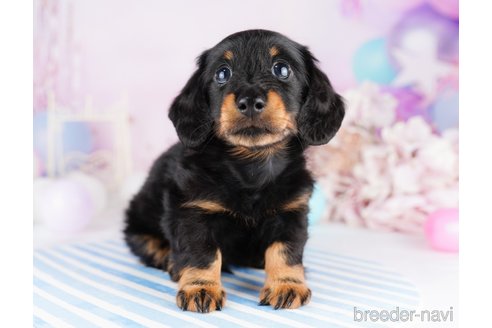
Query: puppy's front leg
point(200, 289)
point(285, 286)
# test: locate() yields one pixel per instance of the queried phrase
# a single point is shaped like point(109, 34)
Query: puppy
point(235, 189)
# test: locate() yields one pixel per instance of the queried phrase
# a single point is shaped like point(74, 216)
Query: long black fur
point(201, 165)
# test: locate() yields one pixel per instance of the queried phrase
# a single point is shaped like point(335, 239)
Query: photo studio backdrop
point(106, 72)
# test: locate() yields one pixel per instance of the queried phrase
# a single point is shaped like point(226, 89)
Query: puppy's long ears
point(190, 110)
point(323, 109)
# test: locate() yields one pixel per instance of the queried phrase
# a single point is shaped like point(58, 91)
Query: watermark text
point(403, 315)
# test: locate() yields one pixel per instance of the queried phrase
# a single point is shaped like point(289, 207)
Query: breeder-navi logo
point(403, 315)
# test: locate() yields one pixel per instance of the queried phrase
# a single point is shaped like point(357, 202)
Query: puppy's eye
point(223, 75)
point(281, 70)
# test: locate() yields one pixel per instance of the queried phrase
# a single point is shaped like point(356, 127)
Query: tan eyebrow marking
point(228, 55)
point(274, 51)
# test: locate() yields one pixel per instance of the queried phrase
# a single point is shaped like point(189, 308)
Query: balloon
point(449, 8)
point(94, 187)
point(317, 205)
point(444, 113)
point(441, 230)
point(39, 186)
point(424, 30)
point(65, 206)
point(371, 62)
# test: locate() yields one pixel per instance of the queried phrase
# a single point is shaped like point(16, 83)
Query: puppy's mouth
point(255, 134)
point(273, 125)
point(252, 131)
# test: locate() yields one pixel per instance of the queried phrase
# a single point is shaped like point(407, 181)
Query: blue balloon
point(317, 205)
point(444, 113)
point(76, 136)
point(372, 63)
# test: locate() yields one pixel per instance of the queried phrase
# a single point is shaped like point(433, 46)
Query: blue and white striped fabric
point(103, 285)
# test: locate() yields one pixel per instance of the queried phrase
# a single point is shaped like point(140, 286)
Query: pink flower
point(369, 108)
point(389, 180)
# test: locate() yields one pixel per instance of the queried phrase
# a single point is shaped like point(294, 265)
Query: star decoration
point(421, 69)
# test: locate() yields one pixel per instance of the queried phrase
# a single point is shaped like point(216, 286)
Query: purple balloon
point(409, 103)
point(426, 19)
point(448, 8)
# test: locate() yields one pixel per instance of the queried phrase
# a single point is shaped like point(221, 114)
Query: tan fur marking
point(274, 51)
point(262, 153)
point(206, 205)
point(228, 114)
point(212, 273)
point(255, 141)
point(209, 279)
point(275, 115)
point(276, 266)
point(298, 203)
point(228, 55)
point(152, 247)
point(282, 278)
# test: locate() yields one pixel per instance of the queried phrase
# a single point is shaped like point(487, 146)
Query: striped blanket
point(102, 284)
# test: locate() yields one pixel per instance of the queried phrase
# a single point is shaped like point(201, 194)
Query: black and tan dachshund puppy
point(235, 189)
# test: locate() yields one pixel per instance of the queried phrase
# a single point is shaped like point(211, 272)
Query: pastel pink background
point(147, 49)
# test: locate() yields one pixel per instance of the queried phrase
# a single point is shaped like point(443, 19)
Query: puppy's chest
point(257, 174)
point(248, 203)
point(251, 205)
point(275, 204)
point(260, 191)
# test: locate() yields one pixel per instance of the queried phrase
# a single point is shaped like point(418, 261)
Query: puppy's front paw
point(285, 295)
point(201, 299)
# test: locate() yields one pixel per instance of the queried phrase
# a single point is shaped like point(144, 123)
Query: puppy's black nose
point(250, 106)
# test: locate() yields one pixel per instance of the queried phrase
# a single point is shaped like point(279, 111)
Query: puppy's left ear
point(190, 110)
point(323, 109)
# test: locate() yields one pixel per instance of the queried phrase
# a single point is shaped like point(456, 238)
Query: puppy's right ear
point(190, 110)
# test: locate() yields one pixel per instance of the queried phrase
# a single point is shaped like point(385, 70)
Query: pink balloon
point(441, 230)
point(449, 8)
point(65, 206)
